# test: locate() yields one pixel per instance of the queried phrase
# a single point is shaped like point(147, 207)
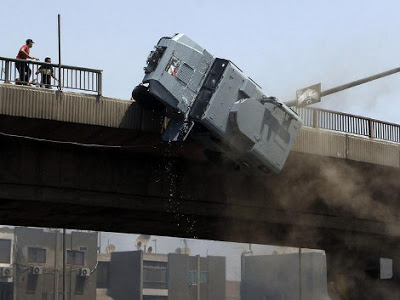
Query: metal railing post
point(371, 128)
point(7, 71)
point(315, 118)
point(100, 83)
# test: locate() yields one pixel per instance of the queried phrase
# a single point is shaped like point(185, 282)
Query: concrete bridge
point(91, 162)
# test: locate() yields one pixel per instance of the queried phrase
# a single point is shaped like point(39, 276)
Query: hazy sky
point(283, 45)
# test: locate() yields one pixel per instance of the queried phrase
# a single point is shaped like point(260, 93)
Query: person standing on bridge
point(23, 67)
point(47, 73)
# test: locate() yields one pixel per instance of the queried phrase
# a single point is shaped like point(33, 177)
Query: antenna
point(99, 243)
point(247, 252)
point(142, 241)
point(186, 249)
point(110, 249)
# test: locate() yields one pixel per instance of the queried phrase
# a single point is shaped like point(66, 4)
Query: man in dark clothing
point(47, 73)
point(22, 67)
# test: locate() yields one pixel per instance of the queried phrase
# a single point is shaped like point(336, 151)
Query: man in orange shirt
point(22, 67)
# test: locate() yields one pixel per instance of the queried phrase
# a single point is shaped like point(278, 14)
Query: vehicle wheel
point(141, 95)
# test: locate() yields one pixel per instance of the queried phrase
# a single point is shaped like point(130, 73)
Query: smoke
point(348, 208)
point(345, 188)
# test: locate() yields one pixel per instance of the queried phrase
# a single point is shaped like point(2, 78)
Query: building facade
point(232, 290)
point(277, 277)
point(135, 275)
point(6, 263)
point(35, 257)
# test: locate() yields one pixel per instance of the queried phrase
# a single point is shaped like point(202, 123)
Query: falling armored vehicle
point(210, 100)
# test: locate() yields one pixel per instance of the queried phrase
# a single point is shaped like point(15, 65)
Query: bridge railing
point(347, 123)
point(26, 72)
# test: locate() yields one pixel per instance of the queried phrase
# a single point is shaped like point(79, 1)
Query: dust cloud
point(358, 204)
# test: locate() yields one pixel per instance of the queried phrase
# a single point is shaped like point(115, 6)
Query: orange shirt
point(22, 55)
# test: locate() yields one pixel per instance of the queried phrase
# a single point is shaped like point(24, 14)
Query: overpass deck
point(84, 118)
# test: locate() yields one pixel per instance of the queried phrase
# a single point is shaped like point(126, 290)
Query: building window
point(36, 255)
point(5, 251)
point(155, 275)
point(47, 296)
point(204, 277)
point(192, 277)
point(386, 268)
point(80, 285)
point(60, 296)
point(75, 257)
point(31, 284)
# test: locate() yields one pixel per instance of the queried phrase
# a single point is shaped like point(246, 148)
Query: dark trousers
point(24, 71)
point(46, 82)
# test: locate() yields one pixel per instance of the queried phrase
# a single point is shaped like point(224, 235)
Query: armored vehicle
point(211, 100)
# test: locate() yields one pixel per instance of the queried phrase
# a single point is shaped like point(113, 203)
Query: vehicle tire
point(141, 95)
